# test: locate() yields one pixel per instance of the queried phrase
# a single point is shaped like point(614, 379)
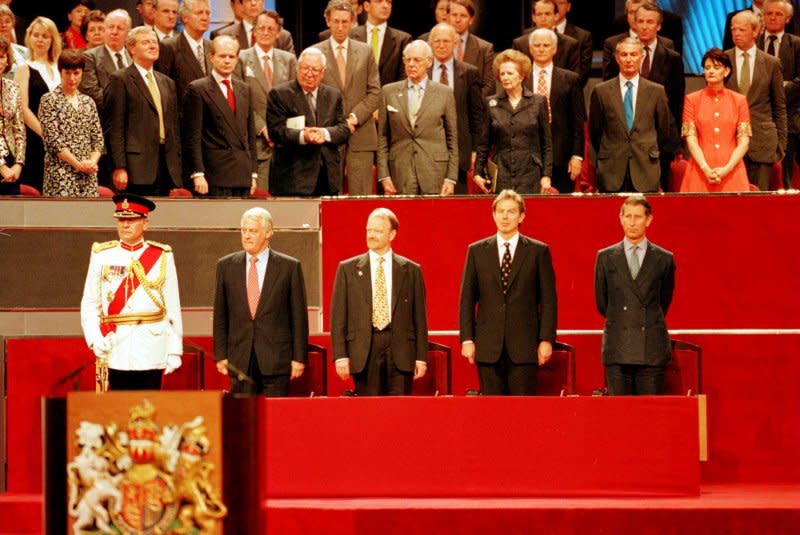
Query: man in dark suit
point(263, 67)
point(219, 138)
point(245, 13)
point(756, 7)
point(758, 76)
point(465, 82)
point(361, 18)
point(140, 122)
point(664, 66)
point(672, 32)
point(351, 68)
point(166, 18)
point(185, 57)
point(387, 43)
point(568, 51)
point(471, 48)
point(629, 123)
point(260, 313)
point(379, 328)
point(567, 111)
point(776, 41)
point(584, 37)
point(306, 122)
point(102, 60)
point(633, 286)
point(509, 279)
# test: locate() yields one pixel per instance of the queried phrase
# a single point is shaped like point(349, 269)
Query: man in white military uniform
point(131, 310)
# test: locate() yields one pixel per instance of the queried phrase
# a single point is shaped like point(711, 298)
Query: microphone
point(239, 374)
point(73, 374)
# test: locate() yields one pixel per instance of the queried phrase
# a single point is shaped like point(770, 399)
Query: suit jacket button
point(624, 308)
point(642, 328)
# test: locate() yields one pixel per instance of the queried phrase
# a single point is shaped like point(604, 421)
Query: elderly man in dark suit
point(633, 286)
point(379, 328)
point(507, 313)
point(351, 68)
point(417, 131)
point(219, 138)
point(260, 313)
point(758, 76)
point(387, 43)
point(777, 41)
point(567, 111)
point(263, 67)
point(568, 50)
point(102, 60)
point(629, 123)
point(140, 122)
point(306, 122)
point(464, 79)
point(185, 57)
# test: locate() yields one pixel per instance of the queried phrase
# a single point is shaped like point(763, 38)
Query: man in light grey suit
point(282, 67)
point(629, 122)
point(351, 68)
point(417, 130)
point(762, 83)
point(102, 60)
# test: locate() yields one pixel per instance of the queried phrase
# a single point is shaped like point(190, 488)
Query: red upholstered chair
point(191, 375)
point(582, 186)
point(104, 192)
point(683, 376)
point(29, 191)
point(550, 191)
point(314, 381)
point(557, 376)
point(180, 192)
point(753, 187)
point(678, 169)
point(776, 177)
point(260, 194)
point(437, 380)
point(796, 176)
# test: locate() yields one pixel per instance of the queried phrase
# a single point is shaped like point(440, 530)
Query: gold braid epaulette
point(98, 247)
point(163, 246)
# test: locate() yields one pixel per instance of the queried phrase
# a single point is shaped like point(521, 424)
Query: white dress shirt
point(501, 246)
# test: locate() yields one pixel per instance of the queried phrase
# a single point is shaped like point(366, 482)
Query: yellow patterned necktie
point(380, 302)
point(151, 85)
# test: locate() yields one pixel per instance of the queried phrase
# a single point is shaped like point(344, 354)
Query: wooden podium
point(151, 462)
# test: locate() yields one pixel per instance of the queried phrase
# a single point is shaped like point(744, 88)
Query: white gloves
point(102, 347)
point(173, 363)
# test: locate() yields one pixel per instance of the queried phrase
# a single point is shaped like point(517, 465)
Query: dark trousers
point(323, 188)
point(461, 185)
point(788, 160)
point(380, 376)
point(271, 386)
point(561, 179)
point(134, 379)
point(9, 188)
point(163, 183)
point(221, 191)
point(758, 173)
point(634, 379)
point(506, 378)
point(666, 169)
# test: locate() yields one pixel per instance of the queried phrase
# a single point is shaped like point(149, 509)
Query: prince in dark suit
point(260, 314)
point(306, 159)
point(509, 279)
point(379, 328)
point(634, 282)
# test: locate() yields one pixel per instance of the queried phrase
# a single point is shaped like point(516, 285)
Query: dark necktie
point(505, 267)
point(771, 45)
point(633, 262)
point(443, 76)
point(231, 98)
point(312, 105)
point(120, 63)
point(646, 63)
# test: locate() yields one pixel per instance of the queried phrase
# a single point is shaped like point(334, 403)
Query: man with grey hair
point(260, 313)
point(568, 53)
point(305, 119)
point(351, 68)
point(628, 135)
point(777, 41)
point(102, 60)
point(185, 57)
point(417, 130)
point(758, 76)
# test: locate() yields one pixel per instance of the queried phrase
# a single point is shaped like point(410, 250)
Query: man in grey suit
point(758, 76)
point(379, 328)
point(629, 122)
point(260, 313)
point(264, 66)
point(102, 60)
point(633, 286)
point(351, 68)
point(508, 307)
point(417, 131)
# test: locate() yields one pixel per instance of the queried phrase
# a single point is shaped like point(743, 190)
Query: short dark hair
point(271, 14)
point(553, 2)
point(637, 199)
point(94, 15)
point(390, 216)
point(70, 59)
point(716, 55)
point(651, 6)
point(509, 195)
point(469, 5)
point(5, 48)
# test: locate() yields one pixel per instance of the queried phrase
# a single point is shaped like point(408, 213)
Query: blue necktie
point(627, 101)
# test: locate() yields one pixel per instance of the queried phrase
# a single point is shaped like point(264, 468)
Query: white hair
point(259, 214)
point(312, 51)
point(543, 32)
point(419, 43)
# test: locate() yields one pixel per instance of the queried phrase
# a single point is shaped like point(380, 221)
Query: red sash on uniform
point(126, 289)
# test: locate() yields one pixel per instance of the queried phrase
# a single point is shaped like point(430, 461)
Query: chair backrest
point(180, 192)
point(190, 376)
point(437, 379)
point(260, 193)
point(557, 376)
point(314, 380)
point(29, 191)
point(104, 192)
point(683, 376)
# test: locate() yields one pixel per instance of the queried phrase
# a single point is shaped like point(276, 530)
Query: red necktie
point(253, 292)
point(231, 98)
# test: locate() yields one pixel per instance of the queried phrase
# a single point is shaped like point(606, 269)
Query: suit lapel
point(140, 84)
point(185, 49)
point(221, 101)
point(642, 96)
point(520, 256)
point(621, 262)
point(491, 254)
point(258, 69)
point(398, 280)
point(402, 104)
point(273, 269)
point(387, 50)
point(364, 280)
point(733, 81)
point(759, 70)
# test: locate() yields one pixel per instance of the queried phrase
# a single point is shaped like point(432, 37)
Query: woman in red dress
point(716, 125)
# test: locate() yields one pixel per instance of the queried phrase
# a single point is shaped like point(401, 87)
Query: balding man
point(568, 53)
point(103, 60)
point(417, 130)
point(758, 76)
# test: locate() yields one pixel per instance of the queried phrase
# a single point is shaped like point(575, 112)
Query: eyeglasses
point(307, 69)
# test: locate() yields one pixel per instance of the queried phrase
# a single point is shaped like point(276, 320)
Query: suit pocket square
point(249, 72)
point(391, 109)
